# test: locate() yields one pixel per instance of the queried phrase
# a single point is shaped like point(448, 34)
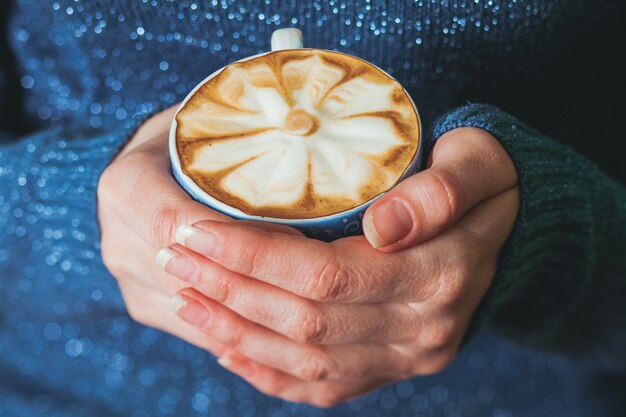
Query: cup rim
point(205, 198)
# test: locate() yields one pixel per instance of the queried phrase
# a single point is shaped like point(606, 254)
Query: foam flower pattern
point(314, 131)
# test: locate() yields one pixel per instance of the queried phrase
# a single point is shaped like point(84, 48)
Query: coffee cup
point(303, 137)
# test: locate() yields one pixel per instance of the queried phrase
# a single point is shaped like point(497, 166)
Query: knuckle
point(310, 326)
point(330, 283)
point(230, 336)
point(164, 223)
point(221, 289)
point(312, 368)
point(452, 287)
point(251, 256)
point(438, 336)
point(275, 383)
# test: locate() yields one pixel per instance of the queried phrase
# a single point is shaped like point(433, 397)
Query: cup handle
point(290, 38)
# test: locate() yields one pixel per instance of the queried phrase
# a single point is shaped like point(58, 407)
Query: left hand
point(324, 322)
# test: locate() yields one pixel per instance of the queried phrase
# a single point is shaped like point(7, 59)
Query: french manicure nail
point(164, 256)
point(225, 361)
point(370, 232)
point(198, 240)
point(388, 224)
point(177, 264)
point(176, 303)
point(194, 312)
point(239, 366)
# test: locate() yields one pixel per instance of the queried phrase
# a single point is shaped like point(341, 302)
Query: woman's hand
point(140, 205)
point(321, 323)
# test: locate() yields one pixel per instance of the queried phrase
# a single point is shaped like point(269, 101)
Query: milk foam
point(305, 136)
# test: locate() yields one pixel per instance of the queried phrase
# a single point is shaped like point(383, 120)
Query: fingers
point(280, 384)
point(468, 166)
point(304, 361)
point(295, 317)
point(150, 308)
point(348, 270)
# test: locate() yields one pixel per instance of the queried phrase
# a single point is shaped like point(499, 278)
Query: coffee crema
point(297, 134)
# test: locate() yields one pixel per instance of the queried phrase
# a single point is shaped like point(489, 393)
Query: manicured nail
point(388, 224)
point(176, 303)
point(198, 240)
point(177, 264)
point(190, 310)
point(239, 366)
point(164, 256)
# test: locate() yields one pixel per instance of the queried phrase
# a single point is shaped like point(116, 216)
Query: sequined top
point(77, 77)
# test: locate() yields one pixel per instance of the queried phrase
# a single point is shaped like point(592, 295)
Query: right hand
point(140, 206)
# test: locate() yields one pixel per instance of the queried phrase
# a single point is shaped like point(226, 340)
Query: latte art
point(297, 134)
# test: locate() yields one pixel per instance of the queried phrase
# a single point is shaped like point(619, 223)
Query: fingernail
point(190, 310)
point(198, 240)
point(388, 224)
point(176, 303)
point(177, 264)
point(237, 365)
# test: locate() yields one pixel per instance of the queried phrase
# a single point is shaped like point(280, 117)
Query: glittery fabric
point(76, 78)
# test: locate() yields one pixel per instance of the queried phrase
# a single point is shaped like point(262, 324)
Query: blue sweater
point(77, 77)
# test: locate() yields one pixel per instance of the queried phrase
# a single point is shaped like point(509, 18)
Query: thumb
point(468, 166)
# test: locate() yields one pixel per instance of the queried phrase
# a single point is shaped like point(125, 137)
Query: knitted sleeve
point(561, 278)
point(38, 170)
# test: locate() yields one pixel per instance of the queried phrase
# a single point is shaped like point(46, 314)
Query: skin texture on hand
point(305, 320)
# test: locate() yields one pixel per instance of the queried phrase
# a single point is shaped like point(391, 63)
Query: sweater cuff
point(543, 267)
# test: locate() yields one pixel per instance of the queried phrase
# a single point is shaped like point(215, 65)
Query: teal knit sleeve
point(561, 278)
